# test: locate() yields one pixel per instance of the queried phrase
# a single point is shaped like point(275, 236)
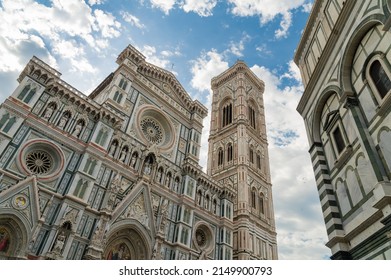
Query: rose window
point(41, 157)
point(152, 130)
point(39, 162)
point(200, 237)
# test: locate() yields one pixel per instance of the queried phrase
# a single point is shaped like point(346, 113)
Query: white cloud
point(164, 5)
point(107, 24)
point(237, 48)
point(133, 20)
point(307, 7)
point(267, 10)
point(293, 72)
point(210, 64)
point(203, 8)
point(61, 28)
point(95, 2)
point(159, 59)
point(284, 25)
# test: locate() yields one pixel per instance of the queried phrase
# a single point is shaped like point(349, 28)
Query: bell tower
point(238, 159)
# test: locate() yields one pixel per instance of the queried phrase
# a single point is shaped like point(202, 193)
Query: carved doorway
point(13, 240)
point(126, 244)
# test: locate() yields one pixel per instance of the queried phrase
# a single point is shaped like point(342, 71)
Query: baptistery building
point(345, 61)
point(115, 174)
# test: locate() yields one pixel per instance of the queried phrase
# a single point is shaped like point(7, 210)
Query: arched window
point(258, 161)
point(331, 128)
point(380, 78)
point(252, 117)
point(123, 84)
point(261, 204)
point(253, 198)
point(90, 166)
point(80, 189)
point(6, 122)
point(229, 152)
point(220, 159)
point(117, 97)
point(101, 137)
point(251, 154)
point(26, 94)
point(227, 114)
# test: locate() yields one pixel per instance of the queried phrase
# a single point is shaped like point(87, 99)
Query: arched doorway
point(13, 239)
point(127, 244)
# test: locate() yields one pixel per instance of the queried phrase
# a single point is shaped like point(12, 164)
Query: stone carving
point(77, 130)
point(137, 211)
point(48, 112)
point(114, 189)
point(60, 241)
point(163, 216)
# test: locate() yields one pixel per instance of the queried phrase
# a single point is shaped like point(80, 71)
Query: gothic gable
point(136, 206)
point(22, 199)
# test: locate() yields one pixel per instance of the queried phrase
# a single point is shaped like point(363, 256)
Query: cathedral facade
point(116, 174)
point(344, 57)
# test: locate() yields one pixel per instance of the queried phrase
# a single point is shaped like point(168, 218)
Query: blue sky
point(196, 40)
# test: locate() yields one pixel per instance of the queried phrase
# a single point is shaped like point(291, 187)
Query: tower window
point(229, 153)
point(253, 198)
point(220, 159)
point(380, 78)
point(261, 205)
point(251, 117)
point(227, 114)
point(258, 161)
point(338, 139)
point(251, 155)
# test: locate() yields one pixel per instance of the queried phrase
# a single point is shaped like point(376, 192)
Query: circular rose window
point(200, 238)
point(42, 158)
point(39, 162)
point(152, 130)
point(203, 237)
point(154, 127)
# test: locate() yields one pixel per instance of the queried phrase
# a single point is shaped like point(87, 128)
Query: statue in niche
point(113, 147)
point(60, 241)
point(163, 216)
point(176, 184)
point(48, 112)
point(123, 155)
point(63, 121)
point(147, 168)
point(77, 129)
point(159, 175)
point(133, 160)
point(114, 188)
